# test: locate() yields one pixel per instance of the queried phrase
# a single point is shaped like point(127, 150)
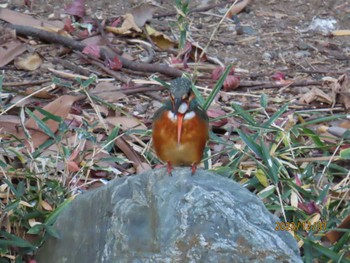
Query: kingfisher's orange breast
point(195, 133)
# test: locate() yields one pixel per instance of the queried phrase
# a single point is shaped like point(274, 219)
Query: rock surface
point(153, 217)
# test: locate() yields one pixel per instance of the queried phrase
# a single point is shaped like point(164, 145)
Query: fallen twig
point(26, 83)
point(115, 74)
point(194, 10)
point(301, 160)
point(327, 72)
point(105, 53)
point(256, 86)
point(75, 68)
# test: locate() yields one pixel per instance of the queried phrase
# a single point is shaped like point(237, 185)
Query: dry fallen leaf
point(341, 91)
point(115, 63)
point(9, 124)
point(294, 199)
point(196, 51)
point(32, 222)
point(215, 112)
point(72, 166)
point(270, 14)
point(237, 8)
point(337, 131)
point(326, 136)
point(59, 107)
point(130, 153)
point(334, 235)
point(30, 62)
point(98, 158)
point(231, 83)
point(143, 13)
point(143, 167)
point(128, 26)
point(339, 33)
point(126, 122)
point(43, 94)
point(77, 8)
point(92, 50)
point(278, 76)
point(17, 18)
point(46, 205)
point(9, 51)
point(315, 94)
point(107, 91)
point(161, 40)
point(217, 72)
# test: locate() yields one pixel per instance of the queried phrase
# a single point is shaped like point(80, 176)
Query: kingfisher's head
point(181, 96)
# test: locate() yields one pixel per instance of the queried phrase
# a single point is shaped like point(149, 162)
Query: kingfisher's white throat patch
point(188, 116)
point(183, 108)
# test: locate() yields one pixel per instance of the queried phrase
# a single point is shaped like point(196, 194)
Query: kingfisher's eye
point(187, 96)
point(191, 96)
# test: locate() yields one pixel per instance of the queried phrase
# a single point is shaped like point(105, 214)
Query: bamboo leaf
point(42, 125)
point(326, 251)
point(345, 154)
point(263, 100)
point(12, 240)
point(250, 143)
point(269, 162)
point(243, 114)
point(53, 216)
point(217, 88)
point(262, 177)
point(275, 116)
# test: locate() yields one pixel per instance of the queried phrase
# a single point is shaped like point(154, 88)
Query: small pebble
point(302, 54)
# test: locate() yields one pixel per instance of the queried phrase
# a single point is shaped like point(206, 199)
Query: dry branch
point(195, 10)
point(54, 38)
point(264, 85)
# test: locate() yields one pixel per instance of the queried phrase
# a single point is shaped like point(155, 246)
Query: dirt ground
point(268, 36)
point(277, 34)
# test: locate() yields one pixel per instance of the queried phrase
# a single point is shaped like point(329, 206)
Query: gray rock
point(154, 217)
point(302, 54)
point(268, 57)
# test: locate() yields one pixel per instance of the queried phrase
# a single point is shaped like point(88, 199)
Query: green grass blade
point(53, 216)
point(243, 114)
point(250, 143)
point(12, 187)
point(111, 137)
point(326, 251)
point(42, 125)
point(269, 162)
point(12, 240)
point(217, 88)
point(162, 82)
point(344, 240)
point(315, 137)
point(263, 100)
point(322, 119)
point(345, 154)
point(48, 115)
point(275, 116)
point(199, 96)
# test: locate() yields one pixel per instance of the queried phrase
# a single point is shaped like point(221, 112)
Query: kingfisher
point(180, 127)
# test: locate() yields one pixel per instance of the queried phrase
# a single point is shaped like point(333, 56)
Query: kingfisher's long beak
point(179, 111)
point(180, 118)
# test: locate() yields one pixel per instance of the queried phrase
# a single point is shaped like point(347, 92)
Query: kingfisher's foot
point(193, 168)
point(169, 168)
